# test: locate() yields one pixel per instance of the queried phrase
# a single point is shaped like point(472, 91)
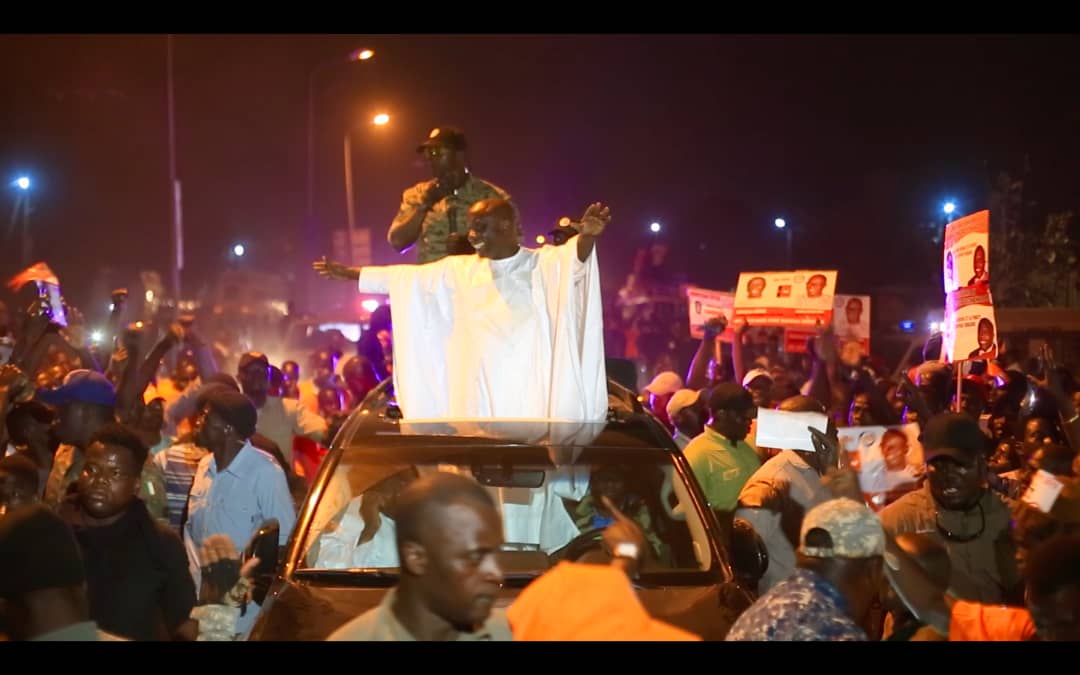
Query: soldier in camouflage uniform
point(432, 213)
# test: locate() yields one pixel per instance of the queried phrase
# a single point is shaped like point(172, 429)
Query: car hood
point(299, 610)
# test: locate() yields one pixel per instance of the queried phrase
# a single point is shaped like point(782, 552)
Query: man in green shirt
point(720, 457)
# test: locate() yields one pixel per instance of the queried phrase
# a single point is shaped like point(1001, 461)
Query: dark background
point(855, 140)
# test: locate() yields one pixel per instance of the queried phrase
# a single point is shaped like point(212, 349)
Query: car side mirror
point(264, 546)
point(749, 557)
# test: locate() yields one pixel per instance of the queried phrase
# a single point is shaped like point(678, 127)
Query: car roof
point(638, 431)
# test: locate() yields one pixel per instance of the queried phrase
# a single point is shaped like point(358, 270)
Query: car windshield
point(549, 498)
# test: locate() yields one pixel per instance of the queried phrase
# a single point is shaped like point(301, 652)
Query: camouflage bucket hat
point(854, 531)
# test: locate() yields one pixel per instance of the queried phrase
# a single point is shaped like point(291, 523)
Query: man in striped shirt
point(180, 461)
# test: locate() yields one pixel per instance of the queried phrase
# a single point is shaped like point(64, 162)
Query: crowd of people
point(132, 478)
point(971, 546)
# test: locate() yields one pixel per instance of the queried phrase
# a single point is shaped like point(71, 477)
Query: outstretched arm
point(592, 224)
point(328, 269)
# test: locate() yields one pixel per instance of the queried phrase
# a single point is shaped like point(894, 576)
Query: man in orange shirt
point(580, 601)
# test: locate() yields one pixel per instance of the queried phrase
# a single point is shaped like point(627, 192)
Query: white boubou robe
point(517, 338)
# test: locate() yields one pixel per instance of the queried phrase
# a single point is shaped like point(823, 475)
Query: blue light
point(780, 223)
point(949, 208)
point(907, 326)
point(22, 182)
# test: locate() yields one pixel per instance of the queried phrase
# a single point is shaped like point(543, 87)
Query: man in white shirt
point(508, 332)
point(365, 536)
point(279, 418)
point(800, 475)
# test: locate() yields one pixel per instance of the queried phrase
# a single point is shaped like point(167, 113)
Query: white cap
point(666, 382)
point(753, 374)
point(684, 398)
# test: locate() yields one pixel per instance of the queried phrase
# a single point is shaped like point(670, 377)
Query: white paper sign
point(1044, 491)
point(788, 430)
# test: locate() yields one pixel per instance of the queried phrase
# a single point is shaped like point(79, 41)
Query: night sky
point(855, 140)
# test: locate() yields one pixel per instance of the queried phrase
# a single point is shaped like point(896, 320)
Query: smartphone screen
point(55, 303)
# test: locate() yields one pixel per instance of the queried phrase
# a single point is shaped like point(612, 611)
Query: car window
point(550, 513)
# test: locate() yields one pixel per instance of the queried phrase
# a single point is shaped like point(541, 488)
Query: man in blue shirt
point(838, 575)
point(237, 487)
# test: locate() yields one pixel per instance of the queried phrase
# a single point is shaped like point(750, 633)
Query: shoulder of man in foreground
point(374, 626)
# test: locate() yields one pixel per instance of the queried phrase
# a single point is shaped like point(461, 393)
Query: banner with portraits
point(970, 330)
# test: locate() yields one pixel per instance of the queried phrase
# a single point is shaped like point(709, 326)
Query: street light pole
point(350, 202)
point(782, 224)
point(27, 242)
point(309, 218)
point(22, 203)
point(174, 183)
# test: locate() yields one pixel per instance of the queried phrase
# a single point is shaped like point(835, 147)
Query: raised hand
point(328, 269)
point(215, 550)
point(596, 218)
point(715, 326)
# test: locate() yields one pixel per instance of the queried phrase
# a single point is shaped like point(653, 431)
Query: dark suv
point(545, 476)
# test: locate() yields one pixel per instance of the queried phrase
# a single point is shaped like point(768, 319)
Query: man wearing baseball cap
point(958, 508)
point(686, 410)
point(839, 575)
point(86, 401)
point(432, 213)
point(660, 391)
point(759, 383)
point(280, 419)
point(237, 487)
point(721, 459)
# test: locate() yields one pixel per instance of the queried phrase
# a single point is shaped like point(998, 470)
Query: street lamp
point(380, 120)
point(949, 208)
point(781, 224)
point(309, 220)
point(353, 57)
point(23, 183)
point(654, 228)
point(239, 250)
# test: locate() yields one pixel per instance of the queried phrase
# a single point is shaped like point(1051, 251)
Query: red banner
point(798, 299)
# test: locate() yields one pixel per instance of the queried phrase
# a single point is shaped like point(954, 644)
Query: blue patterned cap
point(854, 530)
